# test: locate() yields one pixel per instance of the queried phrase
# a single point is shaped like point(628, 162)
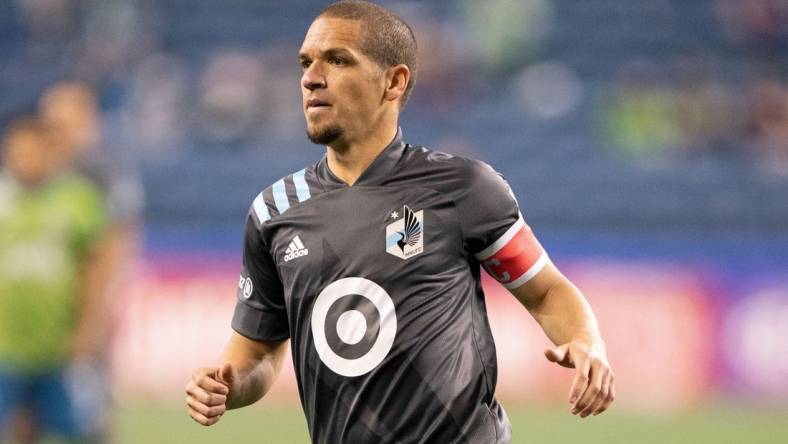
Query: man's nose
point(313, 77)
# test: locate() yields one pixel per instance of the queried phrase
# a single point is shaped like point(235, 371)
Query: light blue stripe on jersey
point(280, 196)
point(260, 209)
point(302, 189)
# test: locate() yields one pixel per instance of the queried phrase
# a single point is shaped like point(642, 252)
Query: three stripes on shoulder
point(279, 192)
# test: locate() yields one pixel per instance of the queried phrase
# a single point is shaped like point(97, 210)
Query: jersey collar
point(378, 170)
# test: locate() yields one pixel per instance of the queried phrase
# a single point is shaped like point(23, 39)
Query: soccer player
point(369, 263)
point(71, 109)
point(50, 222)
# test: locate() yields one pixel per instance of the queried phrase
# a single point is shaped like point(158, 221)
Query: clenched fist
point(207, 393)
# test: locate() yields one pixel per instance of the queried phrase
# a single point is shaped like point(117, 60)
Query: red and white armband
point(515, 257)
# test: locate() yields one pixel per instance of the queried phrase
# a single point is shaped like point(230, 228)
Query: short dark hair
point(386, 38)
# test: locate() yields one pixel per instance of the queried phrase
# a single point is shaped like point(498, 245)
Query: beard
point(325, 135)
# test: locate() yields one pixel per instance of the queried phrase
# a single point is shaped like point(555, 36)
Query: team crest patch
point(405, 236)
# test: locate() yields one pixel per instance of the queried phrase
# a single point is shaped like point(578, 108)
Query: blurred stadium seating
point(607, 47)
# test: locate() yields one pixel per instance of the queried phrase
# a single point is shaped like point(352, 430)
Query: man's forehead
point(330, 32)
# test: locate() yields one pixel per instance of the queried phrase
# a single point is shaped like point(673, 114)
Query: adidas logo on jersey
point(296, 249)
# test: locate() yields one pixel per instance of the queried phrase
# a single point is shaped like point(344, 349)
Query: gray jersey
point(378, 287)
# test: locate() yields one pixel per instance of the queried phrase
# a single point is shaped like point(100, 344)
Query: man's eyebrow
point(337, 52)
point(328, 53)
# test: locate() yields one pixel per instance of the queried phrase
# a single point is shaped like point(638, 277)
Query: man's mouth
point(316, 103)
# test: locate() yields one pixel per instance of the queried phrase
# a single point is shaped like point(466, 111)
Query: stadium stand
point(677, 187)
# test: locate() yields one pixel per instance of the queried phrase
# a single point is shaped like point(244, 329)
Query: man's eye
point(305, 64)
point(336, 61)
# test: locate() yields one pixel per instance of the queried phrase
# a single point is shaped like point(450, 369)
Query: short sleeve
point(494, 230)
point(260, 311)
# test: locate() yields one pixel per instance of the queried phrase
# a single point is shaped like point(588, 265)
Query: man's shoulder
point(75, 180)
point(5, 180)
point(442, 168)
point(77, 186)
point(281, 196)
point(6, 194)
point(80, 197)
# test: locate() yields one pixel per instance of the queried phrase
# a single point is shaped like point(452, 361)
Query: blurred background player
point(70, 109)
point(51, 295)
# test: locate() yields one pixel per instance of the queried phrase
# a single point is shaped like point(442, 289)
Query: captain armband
point(515, 257)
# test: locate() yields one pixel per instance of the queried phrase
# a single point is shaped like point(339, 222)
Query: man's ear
point(397, 78)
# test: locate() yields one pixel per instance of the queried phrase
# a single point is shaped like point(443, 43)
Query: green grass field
point(152, 424)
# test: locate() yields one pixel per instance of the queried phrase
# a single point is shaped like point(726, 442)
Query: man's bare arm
point(248, 369)
point(566, 317)
point(256, 365)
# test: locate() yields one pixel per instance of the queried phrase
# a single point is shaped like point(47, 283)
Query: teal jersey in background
point(45, 235)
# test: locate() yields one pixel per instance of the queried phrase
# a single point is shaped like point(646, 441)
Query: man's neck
point(350, 162)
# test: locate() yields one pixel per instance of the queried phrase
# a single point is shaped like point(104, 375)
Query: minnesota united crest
point(405, 236)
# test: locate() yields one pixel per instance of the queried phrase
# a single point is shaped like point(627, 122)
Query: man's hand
point(208, 391)
point(593, 389)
